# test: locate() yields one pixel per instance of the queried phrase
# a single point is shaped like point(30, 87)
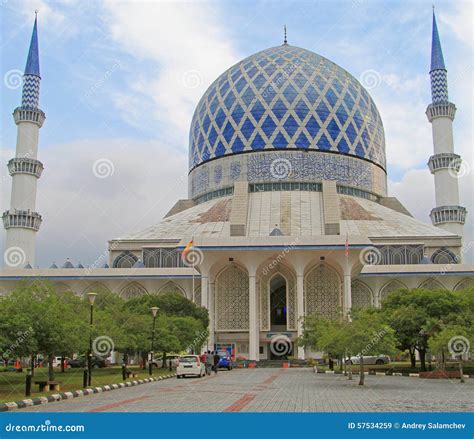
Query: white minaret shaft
point(444, 164)
point(22, 221)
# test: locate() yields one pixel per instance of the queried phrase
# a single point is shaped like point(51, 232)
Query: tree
point(427, 312)
point(365, 333)
point(452, 340)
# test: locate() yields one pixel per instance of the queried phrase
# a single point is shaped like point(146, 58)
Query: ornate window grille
point(322, 291)
point(361, 295)
point(444, 256)
point(400, 254)
point(163, 257)
point(125, 260)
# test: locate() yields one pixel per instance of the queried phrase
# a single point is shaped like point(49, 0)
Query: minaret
point(444, 164)
point(22, 221)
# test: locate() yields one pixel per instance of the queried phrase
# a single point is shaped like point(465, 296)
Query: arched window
point(389, 287)
point(171, 287)
point(133, 289)
point(361, 295)
point(465, 283)
point(322, 291)
point(444, 256)
point(431, 284)
point(125, 260)
point(232, 299)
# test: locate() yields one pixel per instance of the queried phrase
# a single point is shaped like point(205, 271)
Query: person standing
point(216, 361)
point(209, 362)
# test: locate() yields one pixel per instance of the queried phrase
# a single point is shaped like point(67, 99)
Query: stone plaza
point(278, 390)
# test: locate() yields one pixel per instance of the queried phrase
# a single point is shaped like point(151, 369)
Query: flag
point(347, 246)
point(187, 249)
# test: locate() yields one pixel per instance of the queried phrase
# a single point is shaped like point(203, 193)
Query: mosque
point(287, 211)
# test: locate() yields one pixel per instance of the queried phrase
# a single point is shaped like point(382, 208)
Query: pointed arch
point(322, 291)
point(432, 284)
point(125, 260)
point(390, 286)
point(171, 287)
point(465, 283)
point(131, 290)
point(61, 287)
point(95, 287)
point(263, 287)
point(362, 296)
point(232, 299)
point(444, 256)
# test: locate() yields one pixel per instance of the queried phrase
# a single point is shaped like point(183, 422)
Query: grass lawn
point(12, 384)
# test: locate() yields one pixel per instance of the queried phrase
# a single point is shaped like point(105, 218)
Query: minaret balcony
point(448, 214)
point(24, 114)
point(441, 109)
point(22, 219)
point(24, 165)
point(444, 160)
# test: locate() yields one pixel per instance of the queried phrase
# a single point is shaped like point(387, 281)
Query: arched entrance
point(278, 305)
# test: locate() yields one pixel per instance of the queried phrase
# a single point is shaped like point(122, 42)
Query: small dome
point(139, 264)
point(67, 264)
point(28, 266)
point(80, 265)
point(53, 265)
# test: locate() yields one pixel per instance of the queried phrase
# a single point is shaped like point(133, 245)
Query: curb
point(395, 374)
point(40, 400)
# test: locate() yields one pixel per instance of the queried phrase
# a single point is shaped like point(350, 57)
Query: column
point(204, 292)
point(300, 311)
point(253, 320)
point(347, 297)
point(211, 308)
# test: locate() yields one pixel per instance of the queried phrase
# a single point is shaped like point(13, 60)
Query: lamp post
point(91, 296)
point(154, 311)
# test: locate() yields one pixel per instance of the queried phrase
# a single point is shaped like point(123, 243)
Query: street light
point(91, 296)
point(154, 311)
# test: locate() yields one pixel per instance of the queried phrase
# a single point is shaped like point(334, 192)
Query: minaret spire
point(444, 164)
point(285, 40)
point(22, 221)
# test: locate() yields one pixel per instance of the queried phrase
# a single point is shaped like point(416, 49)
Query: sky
point(120, 82)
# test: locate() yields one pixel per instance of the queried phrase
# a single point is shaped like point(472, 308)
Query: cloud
point(99, 190)
point(185, 47)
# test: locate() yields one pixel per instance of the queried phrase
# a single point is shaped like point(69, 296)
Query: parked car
point(369, 359)
point(190, 365)
point(225, 361)
point(97, 362)
point(158, 362)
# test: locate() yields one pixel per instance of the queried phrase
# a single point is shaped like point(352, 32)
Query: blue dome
point(286, 98)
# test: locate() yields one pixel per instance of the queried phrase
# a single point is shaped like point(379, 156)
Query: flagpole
point(194, 298)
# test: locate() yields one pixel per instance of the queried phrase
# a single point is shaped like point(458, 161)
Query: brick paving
point(278, 390)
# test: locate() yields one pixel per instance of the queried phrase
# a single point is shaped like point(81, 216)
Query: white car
point(190, 365)
point(369, 359)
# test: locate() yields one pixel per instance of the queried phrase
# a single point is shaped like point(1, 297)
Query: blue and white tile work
point(313, 166)
point(31, 92)
point(286, 98)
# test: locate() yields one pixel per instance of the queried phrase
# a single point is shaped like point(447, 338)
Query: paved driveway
point(278, 390)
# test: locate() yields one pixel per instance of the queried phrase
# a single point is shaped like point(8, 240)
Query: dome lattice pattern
point(286, 98)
